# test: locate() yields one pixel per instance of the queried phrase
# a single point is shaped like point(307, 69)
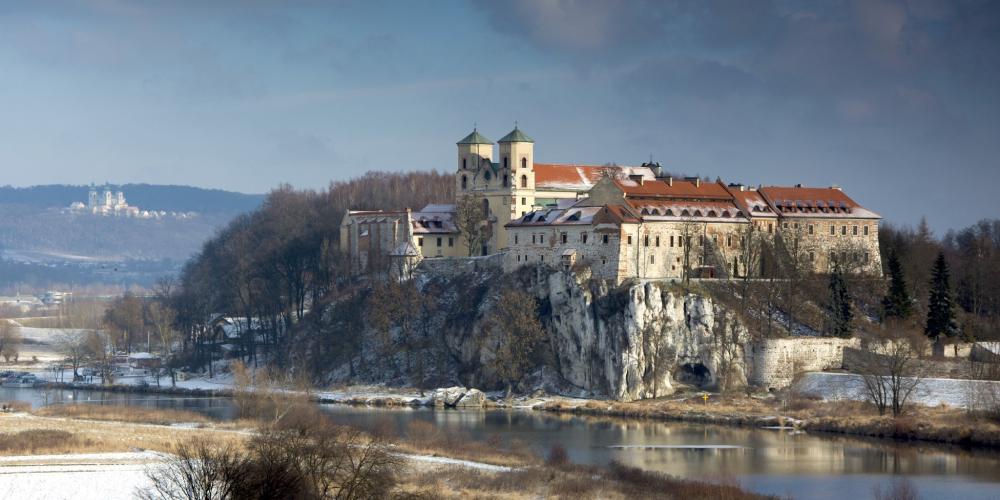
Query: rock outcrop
point(637, 341)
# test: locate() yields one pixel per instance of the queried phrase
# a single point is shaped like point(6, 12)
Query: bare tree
point(161, 317)
point(471, 222)
point(689, 234)
point(518, 333)
point(72, 344)
point(10, 340)
point(889, 367)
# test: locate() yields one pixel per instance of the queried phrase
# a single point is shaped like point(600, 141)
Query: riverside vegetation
point(300, 454)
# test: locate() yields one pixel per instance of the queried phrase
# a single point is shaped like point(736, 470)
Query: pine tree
point(940, 304)
point(897, 303)
point(840, 313)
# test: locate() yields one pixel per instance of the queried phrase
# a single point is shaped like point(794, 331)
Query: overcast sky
point(897, 101)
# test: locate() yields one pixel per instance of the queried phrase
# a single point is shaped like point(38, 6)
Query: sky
point(897, 101)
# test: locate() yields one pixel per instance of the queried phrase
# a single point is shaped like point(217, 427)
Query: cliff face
point(637, 341)
point(630, 342)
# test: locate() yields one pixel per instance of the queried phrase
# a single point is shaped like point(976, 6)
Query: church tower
point(474, 151)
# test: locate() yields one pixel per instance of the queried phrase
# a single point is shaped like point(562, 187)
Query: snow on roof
point(439, 207)
point(405, 249)
point(574, 177)
point(142, 355)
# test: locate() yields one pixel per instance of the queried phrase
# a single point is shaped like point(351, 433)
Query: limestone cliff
point(638, 340)
point(628, 342)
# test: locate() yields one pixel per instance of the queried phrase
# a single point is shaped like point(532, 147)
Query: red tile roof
point(677, 188)
point(560, 175)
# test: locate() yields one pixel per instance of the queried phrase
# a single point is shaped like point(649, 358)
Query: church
point(621, 222)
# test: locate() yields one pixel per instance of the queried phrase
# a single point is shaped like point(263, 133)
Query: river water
point(799, 465)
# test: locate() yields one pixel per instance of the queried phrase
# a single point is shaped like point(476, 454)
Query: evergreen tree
point(897, 303)
point(840, 313)
point(940, 304)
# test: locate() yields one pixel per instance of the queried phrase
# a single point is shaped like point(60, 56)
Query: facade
point(398, 240)
point(622, 221)
point(666, 228)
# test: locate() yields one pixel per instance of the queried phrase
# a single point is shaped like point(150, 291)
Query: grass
point(93, 436)
point(568, 481)
point(119, 413)
point(934, 424)
point(34, 441)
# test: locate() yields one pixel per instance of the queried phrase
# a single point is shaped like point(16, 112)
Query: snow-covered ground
point(930, 391)
point(112, 476)
point(96, 476)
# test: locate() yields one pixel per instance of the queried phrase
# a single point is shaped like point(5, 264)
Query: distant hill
point(144, 196)
point(42, 244)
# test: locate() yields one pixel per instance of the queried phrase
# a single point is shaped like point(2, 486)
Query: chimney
point(670, 180)
point(836, 187)
point(697, 182)
point(798, 185)
point(636, 178)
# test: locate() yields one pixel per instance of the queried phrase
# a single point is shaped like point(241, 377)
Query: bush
point(557, 456)
point(33, 440)
point(315, 462)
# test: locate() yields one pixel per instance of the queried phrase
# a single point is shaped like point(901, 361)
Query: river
point(781, 462)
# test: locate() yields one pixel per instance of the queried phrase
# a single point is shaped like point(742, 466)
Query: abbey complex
point(622, 222)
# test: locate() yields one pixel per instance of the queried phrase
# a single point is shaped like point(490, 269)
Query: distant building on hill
point(106, 201)
point(621, 221)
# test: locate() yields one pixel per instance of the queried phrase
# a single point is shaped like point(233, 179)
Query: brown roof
point(810, 201)
point(677, 188)
point(565, 175)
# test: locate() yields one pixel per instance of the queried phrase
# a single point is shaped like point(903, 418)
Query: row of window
point(537, 239)
point(810, 228)
point(440, 241)
point(524, 163)
point(486, 175)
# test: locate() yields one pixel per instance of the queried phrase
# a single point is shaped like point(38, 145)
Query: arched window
point(524, 181)
point(505, 162)
point(486, 208)
point(465, 182)
point(524, 162)
point(464, 164)
point(506, 181)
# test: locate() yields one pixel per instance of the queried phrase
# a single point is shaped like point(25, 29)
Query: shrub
point(33, 440)
point(315, 462)
point(557, 456)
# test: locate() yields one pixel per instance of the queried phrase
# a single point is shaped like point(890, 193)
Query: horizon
point(895, 101)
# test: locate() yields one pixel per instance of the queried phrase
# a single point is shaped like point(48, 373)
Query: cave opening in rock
point(695, 374)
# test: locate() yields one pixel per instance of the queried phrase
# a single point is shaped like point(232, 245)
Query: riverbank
point(945, 425)
point(79, 449)
point(937, 424)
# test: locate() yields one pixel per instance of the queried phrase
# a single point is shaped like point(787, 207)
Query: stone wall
point(776, 362)
point(854, 360)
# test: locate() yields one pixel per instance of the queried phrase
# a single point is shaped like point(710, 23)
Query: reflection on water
point(220, 408)
point(771, 461)
point(814, 466)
